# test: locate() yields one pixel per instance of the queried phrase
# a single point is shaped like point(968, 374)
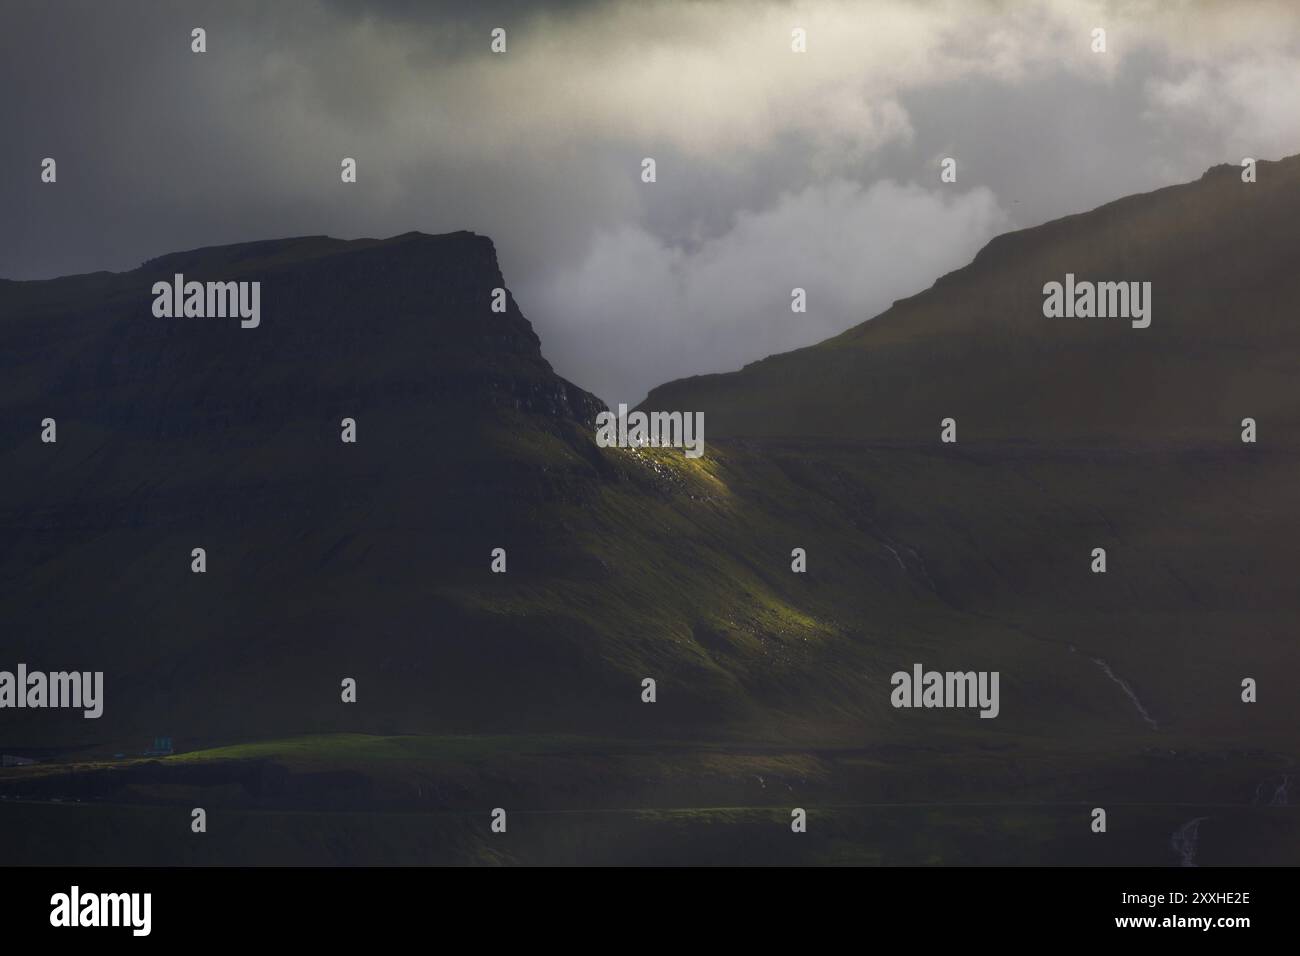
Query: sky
point(775, 169)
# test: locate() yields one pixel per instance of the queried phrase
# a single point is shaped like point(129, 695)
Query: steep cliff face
point(379, 323)
point(194, 432)
point(397, 335)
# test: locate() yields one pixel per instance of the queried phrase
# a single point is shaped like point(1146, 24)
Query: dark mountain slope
point(324, 558)
point(1077, 433)
point(1224, 341)
point(1073, 434)
point(328, 560)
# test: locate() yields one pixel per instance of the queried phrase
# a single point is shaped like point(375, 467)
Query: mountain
point(325, 559)
point(372, 560)
point(1223, 342)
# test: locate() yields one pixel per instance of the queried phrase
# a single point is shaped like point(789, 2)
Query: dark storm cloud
point(444, 14)
point(451, 29)
point(775, 169)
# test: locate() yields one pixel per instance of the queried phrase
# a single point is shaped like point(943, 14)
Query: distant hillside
point(1223, 344)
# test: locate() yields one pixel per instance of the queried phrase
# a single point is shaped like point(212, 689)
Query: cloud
point(1246, 107)
point(765, 155)
point(637, 311)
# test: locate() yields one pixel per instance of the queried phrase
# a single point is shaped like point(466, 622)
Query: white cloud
point(637, 311)
point(1246, 107)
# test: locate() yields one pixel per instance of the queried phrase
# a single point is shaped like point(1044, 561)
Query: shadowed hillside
point(1224, 341)
point(372, 561)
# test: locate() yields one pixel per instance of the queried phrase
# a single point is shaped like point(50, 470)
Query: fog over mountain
point(775, 169)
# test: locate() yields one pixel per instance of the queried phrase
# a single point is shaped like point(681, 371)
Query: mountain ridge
point(941, 334)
